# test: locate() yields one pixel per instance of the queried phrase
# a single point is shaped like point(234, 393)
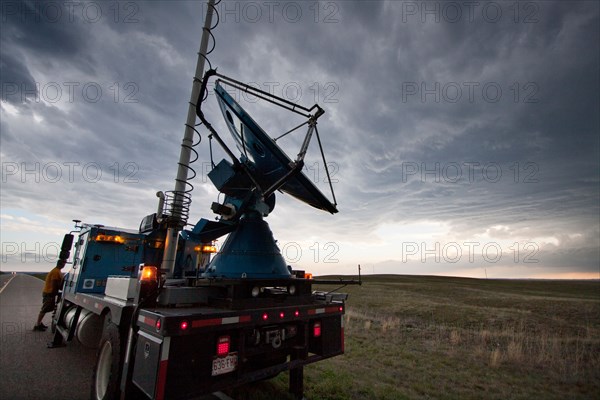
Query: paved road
point(3, 279)
point(29, 370)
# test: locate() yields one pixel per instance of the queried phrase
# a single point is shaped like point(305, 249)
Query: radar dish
point(270, 161)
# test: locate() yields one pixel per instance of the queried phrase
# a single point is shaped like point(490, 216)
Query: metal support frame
point(271, 98)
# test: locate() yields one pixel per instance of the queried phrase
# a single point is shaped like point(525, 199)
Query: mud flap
point(147, 364)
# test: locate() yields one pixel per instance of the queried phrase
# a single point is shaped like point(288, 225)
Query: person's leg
point(40, 317)
point(47, 306)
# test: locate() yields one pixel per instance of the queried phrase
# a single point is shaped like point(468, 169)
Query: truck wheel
point(107, 373)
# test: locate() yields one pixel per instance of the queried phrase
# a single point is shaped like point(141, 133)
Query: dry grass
point(451, 338)
point(511, 343)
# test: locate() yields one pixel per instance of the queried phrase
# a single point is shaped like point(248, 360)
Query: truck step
point(221, 396)
point(63, 332)
point(60, 338)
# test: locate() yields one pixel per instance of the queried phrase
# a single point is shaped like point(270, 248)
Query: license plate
point(223, 365)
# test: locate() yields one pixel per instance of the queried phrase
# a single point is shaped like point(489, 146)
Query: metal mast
point(178, 212)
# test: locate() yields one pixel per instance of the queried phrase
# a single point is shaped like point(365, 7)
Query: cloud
point(481, 125)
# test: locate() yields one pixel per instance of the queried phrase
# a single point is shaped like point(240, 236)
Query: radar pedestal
point(249, 252)
point(249, 182)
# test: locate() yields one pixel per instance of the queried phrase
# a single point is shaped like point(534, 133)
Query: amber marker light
point(205, 248)
point(149, 274)
point(110, 238)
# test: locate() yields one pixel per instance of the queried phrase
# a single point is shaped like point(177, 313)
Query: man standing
point(51, 287)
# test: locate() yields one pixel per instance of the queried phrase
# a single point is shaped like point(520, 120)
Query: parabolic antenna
point(271, 163)
point(249, 181)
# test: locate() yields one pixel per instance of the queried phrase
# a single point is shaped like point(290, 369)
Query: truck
point(173, 316)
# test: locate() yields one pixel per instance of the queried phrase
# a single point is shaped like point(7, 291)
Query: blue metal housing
point(249, 252)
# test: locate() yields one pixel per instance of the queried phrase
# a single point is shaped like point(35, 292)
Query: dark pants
point(48, 303)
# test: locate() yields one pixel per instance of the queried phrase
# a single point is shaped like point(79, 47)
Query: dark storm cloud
point(32, 28)
point(108, 139)
point(563, 117)
point(13, 74)
point(387, 77)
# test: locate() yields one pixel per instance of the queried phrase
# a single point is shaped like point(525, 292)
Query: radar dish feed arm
point(299, 163)
point(271, 98)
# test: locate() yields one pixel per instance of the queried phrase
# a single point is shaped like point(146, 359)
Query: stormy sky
point(462, 137)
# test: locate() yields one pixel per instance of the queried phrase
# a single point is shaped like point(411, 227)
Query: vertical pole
point(297, 382)
point(300, 352)
point(178, 219)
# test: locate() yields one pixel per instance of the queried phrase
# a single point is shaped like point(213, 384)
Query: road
point(4, 278)
point(28, 369)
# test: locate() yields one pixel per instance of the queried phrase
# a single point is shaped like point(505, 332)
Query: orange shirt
point(53, 281)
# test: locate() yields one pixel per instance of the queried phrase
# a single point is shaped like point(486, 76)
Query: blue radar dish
point(270, 161)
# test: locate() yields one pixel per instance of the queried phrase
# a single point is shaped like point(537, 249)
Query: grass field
point(41, 275)
point(411, 337)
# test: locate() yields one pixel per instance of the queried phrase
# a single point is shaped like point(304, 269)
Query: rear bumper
point(180, 366)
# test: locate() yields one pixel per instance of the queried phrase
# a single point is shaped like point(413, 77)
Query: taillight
point(183, 325)
point(223, 346)
point(158, 325)
point(317, 329)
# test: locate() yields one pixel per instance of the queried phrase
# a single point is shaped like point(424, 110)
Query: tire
point(109, 365)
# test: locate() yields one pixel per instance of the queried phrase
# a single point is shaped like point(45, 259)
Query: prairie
point(415, 337)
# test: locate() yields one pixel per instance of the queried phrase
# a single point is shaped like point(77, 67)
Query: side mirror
point(65, 249)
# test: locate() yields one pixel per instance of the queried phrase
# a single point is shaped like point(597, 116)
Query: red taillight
point(184, 325)
point(341, 309)
point(296, 313)
point(265, 316)
point(223, 346)
point(317, 329)
point(157, 325)
point(282, 315)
